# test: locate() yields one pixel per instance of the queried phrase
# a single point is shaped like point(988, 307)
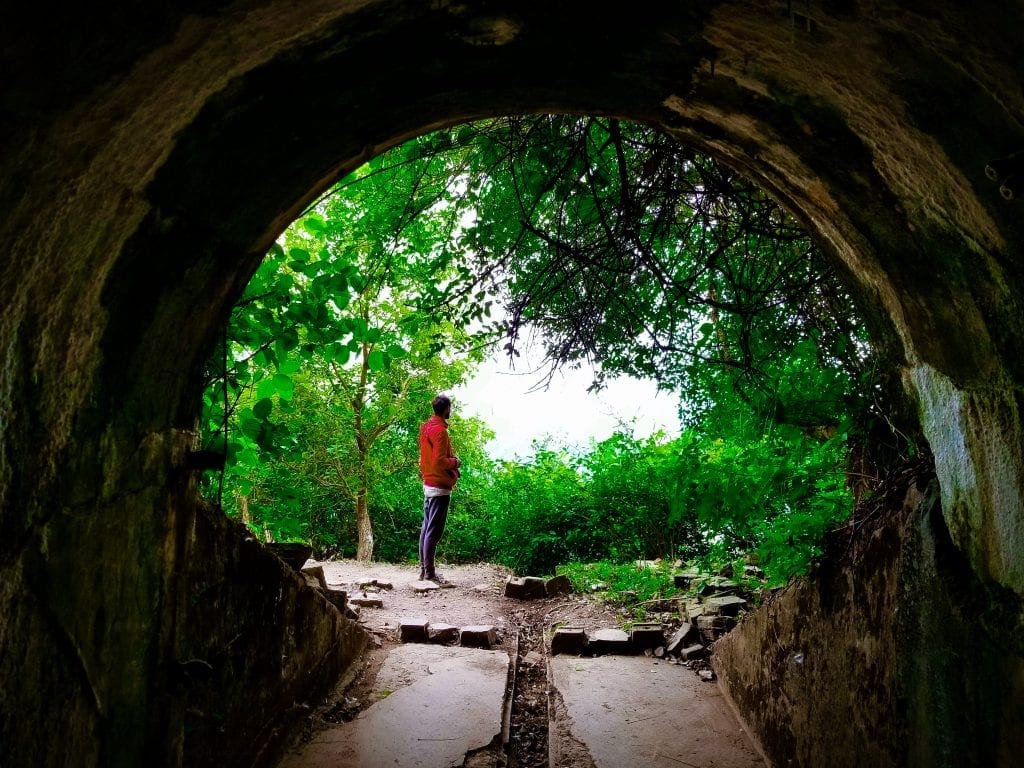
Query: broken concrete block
point(424, 586)
point(663, 606)
point(413, 631)
point(478, 636)
point(559, 585)
point(352, 613)
point(693, 652)
point(682, 637)
point(338, 598)
point(317, 572)
point(659, 652)
point(366, 602)
point(707, 675)
point(646, 635)
point(294, 554)
point(568, 640)
point(532, 659)
point(726, 605)
point(525, 587)
point(713, 627)
point(442, 633)
point(610, 641)
point(717, 585)
point(694, 611)
point(684, 579)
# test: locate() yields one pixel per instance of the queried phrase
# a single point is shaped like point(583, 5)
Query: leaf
point(376, 360)
point(266, 389)
point(262, 408)
point(299, 254)
point(284, 385)
point(251, 426)
point(289, 366)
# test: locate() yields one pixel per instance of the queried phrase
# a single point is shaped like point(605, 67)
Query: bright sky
point(501, 397)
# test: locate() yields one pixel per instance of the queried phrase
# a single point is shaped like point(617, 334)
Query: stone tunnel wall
point(259, 649)
point(148, 160)
point(891, 653)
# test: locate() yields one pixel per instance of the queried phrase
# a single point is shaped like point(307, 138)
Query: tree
point(331, 300)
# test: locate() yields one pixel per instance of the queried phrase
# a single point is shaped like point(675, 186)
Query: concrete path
point(626, 711)
point(442, 703)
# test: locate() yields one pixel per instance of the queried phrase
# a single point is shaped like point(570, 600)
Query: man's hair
point(441, 404)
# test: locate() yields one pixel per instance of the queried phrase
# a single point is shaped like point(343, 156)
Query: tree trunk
point(364, 530)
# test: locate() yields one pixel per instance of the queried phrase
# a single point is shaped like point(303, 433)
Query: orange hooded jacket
point(438, 466)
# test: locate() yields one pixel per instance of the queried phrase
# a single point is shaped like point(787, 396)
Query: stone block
point(646, 635)
point(295, 555)
point(442, 633)
point(317, 572)
point(693, 652)
point(478, 636)
point(681, 638)
point(726, 605)
point(532, 659)
point(413, 630)
point(717, 585)
point(366, 602)
point(424, 586)
point(525, 587)
point(713, 627)
point(572, 640)
point(338, 598)
point(605, 641)
point(559, 585)
point(684, 579)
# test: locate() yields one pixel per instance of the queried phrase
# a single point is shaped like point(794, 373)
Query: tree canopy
point(612, 244)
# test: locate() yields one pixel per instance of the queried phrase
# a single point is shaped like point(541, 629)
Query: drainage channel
point(526, 723)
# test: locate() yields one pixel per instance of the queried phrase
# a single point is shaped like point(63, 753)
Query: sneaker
point(441, 581)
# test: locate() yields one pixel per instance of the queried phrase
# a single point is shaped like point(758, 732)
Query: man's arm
point(444, 452)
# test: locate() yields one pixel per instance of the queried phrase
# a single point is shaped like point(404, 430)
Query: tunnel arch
point(157, 160)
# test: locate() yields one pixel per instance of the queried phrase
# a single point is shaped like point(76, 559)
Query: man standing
point(439, 468)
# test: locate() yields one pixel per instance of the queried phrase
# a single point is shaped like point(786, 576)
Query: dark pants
point(435, 514)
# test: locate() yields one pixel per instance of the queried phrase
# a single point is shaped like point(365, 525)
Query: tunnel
point(150, 154)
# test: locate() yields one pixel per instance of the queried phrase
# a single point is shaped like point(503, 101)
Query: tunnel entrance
point(609, 242)
point(155, 161)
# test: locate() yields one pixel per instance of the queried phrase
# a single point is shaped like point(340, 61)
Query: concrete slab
point(629, 711)
point(442, 703)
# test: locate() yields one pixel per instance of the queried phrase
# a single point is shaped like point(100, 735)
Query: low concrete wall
point(258, 650)
point(891, 653)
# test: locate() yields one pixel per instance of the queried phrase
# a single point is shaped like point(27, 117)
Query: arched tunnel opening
point(155, 160)
point(333, 347)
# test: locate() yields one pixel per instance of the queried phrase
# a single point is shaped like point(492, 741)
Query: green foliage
point(644, 582)
point(617, 245)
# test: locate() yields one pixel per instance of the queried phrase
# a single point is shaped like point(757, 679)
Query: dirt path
point(478, 598)
point(533, 707)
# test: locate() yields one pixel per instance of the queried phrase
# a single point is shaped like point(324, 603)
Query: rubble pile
point(691, 623)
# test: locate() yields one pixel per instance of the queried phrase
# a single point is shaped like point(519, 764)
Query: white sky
point(500, 397)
